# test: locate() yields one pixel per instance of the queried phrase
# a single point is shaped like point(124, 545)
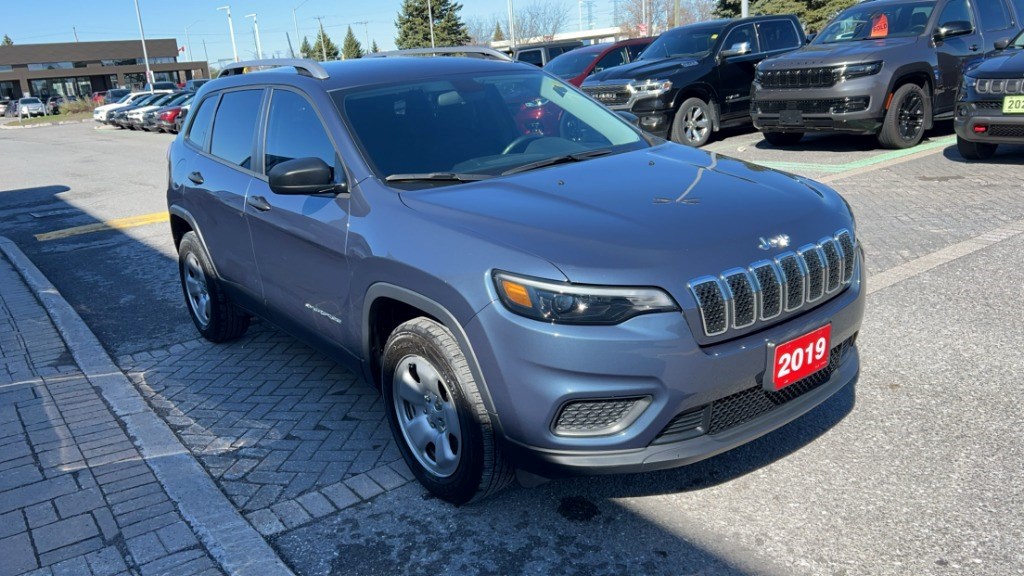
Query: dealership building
point(81, 68)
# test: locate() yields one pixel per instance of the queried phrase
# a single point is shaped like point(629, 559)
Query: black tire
point(783, 138)
point(481, 469)
point(222, 321)
point(975, 150)
point(910, 110)
point(694, 123)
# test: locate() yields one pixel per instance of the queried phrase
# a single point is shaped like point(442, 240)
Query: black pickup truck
point(695, 79)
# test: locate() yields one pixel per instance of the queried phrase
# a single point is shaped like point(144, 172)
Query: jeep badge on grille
point(780, 241)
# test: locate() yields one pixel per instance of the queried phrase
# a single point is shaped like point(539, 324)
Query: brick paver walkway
point(76, 497)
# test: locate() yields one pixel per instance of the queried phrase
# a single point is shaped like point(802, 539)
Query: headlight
point(758, 74)
point(858, 70)
point(563, 303)
point(650, 88)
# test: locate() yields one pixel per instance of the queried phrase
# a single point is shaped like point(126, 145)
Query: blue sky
point(53, 20)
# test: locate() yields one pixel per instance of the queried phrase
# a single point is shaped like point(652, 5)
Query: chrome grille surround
point(740, 297)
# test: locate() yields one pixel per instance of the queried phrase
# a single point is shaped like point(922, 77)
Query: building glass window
point(50, 66)
point(7, 90)
point(6, 68)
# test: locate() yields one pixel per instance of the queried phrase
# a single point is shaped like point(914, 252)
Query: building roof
point(81, 51)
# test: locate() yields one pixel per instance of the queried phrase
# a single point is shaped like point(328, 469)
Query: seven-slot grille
point(820, 77)
point(1000, 86)
point(740, 297)
point(609, 94)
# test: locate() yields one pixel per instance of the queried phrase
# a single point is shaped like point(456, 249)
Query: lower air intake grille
point(594, 417)
point(1006, 131)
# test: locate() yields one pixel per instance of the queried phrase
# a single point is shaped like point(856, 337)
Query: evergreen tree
point(305, 50)
point(373, 47)
point(499, 34)
point(7, 41)
point(414, 24)
point(351, 48)
point(323, 45)
point(814, 14)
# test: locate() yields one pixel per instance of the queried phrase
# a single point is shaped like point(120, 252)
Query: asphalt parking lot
point(914, 470)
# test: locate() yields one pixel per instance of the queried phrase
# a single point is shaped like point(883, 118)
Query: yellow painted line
point(116, 224)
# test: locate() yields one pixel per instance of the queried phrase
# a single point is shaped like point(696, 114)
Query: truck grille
point(820, 77)
point(609, 95)
point(746, 405)
point(740, 297)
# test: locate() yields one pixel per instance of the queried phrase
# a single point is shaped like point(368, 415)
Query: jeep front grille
point(1006, 131)
point(609, 95)
point(820, 77)
point(1000, 86)
point(740, 297)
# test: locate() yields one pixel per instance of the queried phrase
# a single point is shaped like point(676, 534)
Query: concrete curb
point(15, 126)
point(230, 539)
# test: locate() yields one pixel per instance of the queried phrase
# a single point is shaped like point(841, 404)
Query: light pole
point(188, 42)
point(323, 39)
point(744, 8)
point(256, 34)
point(231, 30)
point(430, 16)
point(511, 27)
point(295, 21)
point(145, 53)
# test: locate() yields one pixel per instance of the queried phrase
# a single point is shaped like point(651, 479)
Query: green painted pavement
point(838, 168)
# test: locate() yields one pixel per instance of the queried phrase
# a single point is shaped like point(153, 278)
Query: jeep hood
point(642, 70)
point(659, 216)
point(853, 52)
point(1005, 64)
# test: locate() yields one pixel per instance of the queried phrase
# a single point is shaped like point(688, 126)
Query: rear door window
point(234, 127)
point(994, 14)
point(199, 131)
point(778, 35)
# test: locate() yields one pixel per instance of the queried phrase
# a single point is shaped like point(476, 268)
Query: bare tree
point(481, 29)
point(539, 20)
point(660, 15)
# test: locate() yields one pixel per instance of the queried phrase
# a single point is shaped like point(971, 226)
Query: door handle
point(258, 202)
point(196, 177)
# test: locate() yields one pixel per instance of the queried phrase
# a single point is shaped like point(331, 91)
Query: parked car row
point(888, 68)
point(25, 107)
point(157, 111)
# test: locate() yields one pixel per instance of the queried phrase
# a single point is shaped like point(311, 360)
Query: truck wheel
point(216, 318)
point(904, 123)
point(693, 123)
point(975, 150)
point(783, 138)
point(437, 416)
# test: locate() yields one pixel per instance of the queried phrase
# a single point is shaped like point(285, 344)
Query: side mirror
point(304, 176)
point(953, 29)
point(1002, 44)
point(736, 50)
point(809, 38)
point(629, 117)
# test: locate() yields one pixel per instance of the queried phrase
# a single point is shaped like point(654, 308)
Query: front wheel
point(909, 110)
point(975, 150)
point(437, 416)
point(216, 318)
point(693, 123)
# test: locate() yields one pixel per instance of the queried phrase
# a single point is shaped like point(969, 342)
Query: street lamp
point(231, 30)
point(511, 26)
point(145, 54)
point(430, 16)
point(295, 21)
point(188, 41)
point(256, 33)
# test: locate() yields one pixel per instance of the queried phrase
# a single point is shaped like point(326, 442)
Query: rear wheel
point(437, 415)
point(975, 150)
point(693, 123)
point(783, 138)
point(909, 110)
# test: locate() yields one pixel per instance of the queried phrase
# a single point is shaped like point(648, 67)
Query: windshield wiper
point(437, 177)
point(558, 160)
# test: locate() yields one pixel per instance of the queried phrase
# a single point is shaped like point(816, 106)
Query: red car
point(576, 65)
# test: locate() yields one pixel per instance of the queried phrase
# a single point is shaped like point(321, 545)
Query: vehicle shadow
point(1006, 155)
point(839, 143)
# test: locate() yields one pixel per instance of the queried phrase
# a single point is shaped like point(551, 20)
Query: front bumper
point(1001, 128)
point(833, 109)
point(532, 370)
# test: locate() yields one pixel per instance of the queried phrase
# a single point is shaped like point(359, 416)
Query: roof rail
point(304, 67)
point(468, 51)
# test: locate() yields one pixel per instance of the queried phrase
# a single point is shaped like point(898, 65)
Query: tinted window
point(994, 15)
point(611, 60)
point(956, 11)
point(199, 132)
point(634, 50)
point(531, 57)
point(693, 41)
point(778, 35)
point(294, 131)
point(739, 35)
point(559, 50)
point(870, 20)
point(235, 125)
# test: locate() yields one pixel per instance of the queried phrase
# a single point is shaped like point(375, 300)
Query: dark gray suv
point(583, 299)
point(884, 67)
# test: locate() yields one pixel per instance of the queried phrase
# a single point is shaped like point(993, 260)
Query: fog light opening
point(980, 129)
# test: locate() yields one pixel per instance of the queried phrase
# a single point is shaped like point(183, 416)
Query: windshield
point(869, 22)
point(178, 99)
point(475, 126)
point(30, 101)
point(695, 42)
point(571, 64)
